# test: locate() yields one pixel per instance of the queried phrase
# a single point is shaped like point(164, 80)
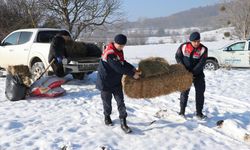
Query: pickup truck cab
point(31, 47)
point(236, 54)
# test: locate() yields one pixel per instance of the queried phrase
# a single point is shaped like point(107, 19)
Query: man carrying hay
point(111, 68)
point(58, 52)
point(193, 56)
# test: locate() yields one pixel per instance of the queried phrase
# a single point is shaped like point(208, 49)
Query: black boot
point(108, 121)
point(201, 116)
point(124, 126)
point(182, 112)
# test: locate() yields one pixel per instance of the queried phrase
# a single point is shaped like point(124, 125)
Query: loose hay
point(22, 71)
point(247, 137)
point(177, 79)
point(153, 66)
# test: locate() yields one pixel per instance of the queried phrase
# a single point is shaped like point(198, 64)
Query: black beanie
point(195, 36)
point(120, 39)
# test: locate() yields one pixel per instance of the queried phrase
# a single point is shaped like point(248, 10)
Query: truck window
point(24, 37)
point(46, 36)
point(12, 39)
point(237, 47)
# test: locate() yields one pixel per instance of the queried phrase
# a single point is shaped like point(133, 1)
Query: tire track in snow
point(226, 102)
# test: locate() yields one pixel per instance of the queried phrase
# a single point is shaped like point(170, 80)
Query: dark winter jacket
point(57, 52)
point(193, 59)
point(111, 68)
point(57, 48)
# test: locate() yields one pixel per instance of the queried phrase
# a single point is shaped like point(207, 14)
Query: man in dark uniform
point(193, 56)
point(110, 71)
point(58, 52)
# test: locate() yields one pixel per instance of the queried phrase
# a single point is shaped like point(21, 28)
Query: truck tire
point(211, 65)
point(79, 76)
point(37, 69)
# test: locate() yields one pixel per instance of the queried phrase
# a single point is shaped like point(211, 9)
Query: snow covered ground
point(75, 120)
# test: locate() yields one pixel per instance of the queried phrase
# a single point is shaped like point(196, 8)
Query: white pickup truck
point(236, 54)
point(31, 47)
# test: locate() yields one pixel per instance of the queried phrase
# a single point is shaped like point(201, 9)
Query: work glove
point(137, 74)
point(59, 59)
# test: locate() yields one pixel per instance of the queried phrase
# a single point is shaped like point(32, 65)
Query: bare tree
point(18, 14)
point(237, 13)
point(31, 9)
point(77, 15)
point(28, 11)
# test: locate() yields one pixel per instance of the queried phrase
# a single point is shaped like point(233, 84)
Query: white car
point(236, 54)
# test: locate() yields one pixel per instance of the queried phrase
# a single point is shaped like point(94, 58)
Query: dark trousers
point(199, 85)
point(107, 104)
point(58, 69)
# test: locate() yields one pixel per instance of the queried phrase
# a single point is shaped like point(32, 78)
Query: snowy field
point(75, 120)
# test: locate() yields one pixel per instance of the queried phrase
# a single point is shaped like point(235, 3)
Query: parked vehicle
point(236, 54)
point(31, 47)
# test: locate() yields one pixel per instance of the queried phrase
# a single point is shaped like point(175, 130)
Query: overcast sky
point(135, 9)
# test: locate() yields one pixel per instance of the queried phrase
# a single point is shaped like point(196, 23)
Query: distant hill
point(196, 17)
point(201, 18)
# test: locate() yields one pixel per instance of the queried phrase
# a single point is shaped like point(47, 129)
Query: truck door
point(237, 55)
point(7, 48)
point(18, 52)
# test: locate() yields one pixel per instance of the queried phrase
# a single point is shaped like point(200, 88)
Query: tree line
point(73, 15)
point(85, 16)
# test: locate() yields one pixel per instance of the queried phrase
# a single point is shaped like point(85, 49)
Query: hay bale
point(177, 79)
point(67, 39)
point(23, 71)
point(76, 49)
point(153, 66)
point(93, 50)
point(81, 50)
